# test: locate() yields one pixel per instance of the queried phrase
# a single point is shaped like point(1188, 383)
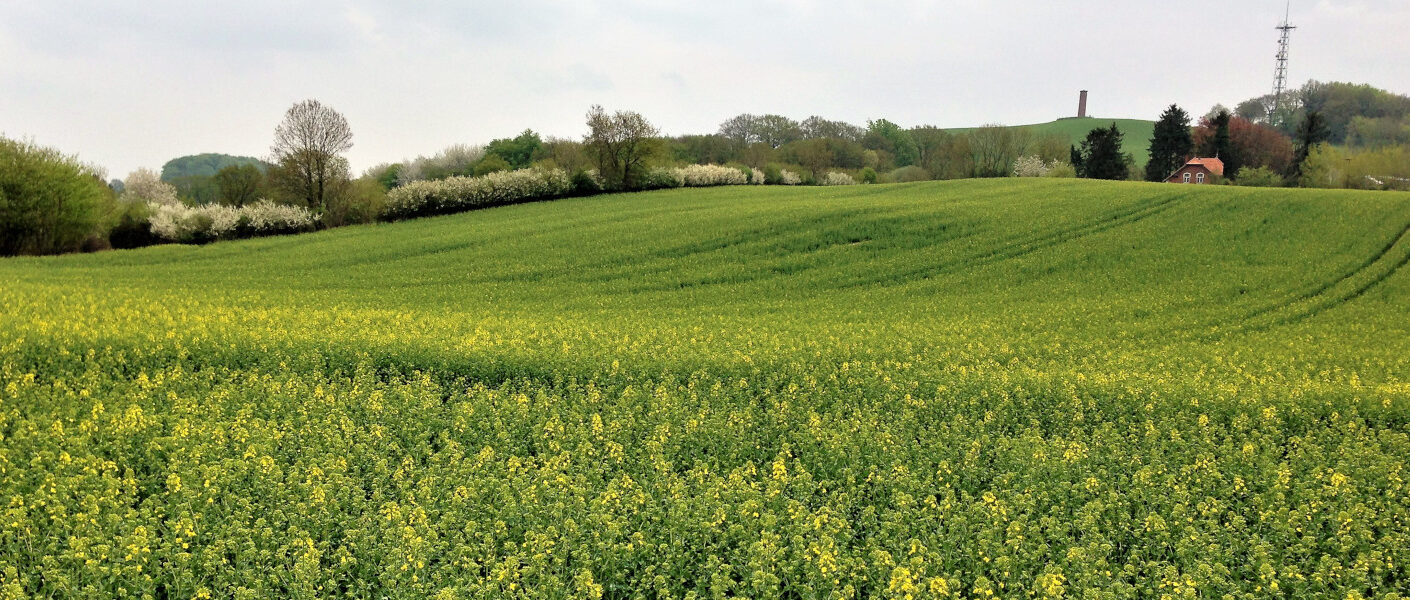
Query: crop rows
point(528, 402)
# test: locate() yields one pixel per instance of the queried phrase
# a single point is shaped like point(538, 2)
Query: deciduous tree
point(621, 143)
point(817, 127)
point(307, 147)
point(238, 185)
point(144, 185)
point(49, 202)
point(883, 135)
point(517, 151)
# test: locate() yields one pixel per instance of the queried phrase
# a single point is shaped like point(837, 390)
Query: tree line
point(1332, 135)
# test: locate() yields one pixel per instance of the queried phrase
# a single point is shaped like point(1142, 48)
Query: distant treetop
point(206, 165)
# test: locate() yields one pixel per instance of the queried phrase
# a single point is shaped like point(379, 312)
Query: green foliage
point(584, 184)
point(205, 165)
point(1259, 177)
point(658, 179)
point(1171, 143)
point(1072, 131)
point(622, 143)
point(868, 175)
point(703, 149)
point(49, 202)
point(773, 174)
point(1101, 155)
point(239, 185)
point(361, 200)
point(1330, 166)
point(388, 176)
point(491, 163)
point(130, 228)
point(1311, 132)
point(1345, 107)
point(1367, 132)
point(517, 152)
point(197, 189)
point(1062, 170)
point(1027, 387)
point(568, 155)
point(1339, 105)
point(884, 136)
point(907, 175)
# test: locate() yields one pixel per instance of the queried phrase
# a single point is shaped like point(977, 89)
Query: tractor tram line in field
point(672, 398)
point(1352, 284)
point(1021, 246)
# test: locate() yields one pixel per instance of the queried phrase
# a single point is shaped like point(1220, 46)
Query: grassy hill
point(1136, 133)
point(1001, 385)
point(205, 165)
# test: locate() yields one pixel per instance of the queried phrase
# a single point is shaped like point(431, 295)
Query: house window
point(1199, 178)
point(1187, 177)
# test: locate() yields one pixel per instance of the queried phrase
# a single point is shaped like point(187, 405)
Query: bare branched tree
point(621, 143)
point(307, 145)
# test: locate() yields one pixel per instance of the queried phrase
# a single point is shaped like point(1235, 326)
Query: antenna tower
point(1280, 74)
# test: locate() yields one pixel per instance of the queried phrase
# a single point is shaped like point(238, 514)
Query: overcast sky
point(128, 84)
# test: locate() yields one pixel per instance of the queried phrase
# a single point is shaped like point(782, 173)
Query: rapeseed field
point(972, 389)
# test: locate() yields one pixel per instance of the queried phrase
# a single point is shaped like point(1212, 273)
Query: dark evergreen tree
point(1172, 143)
point(1221, 146)
point(1075, 157)
point(1310, 132)
point(1101, 154)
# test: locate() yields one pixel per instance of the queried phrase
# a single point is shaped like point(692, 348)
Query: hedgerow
point(456, 194)
point(181, 223)
point(837, 178)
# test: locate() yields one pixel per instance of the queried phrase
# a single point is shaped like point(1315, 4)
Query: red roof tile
point(1214, 165)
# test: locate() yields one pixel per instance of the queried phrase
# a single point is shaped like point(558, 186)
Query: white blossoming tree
point(144, 185)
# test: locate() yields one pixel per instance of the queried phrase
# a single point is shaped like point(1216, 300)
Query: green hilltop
point(1136, 133)
point(788, 392)
point(205, 165)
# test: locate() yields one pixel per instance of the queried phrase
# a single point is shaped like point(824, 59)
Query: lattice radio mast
point(1280, 74)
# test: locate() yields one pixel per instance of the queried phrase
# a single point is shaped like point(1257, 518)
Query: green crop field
point(1136, 133)
point(998, 388)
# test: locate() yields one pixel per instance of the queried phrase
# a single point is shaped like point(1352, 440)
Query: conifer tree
point(1075, 157)
point(1101, 154)
point(1171, 145)
point(1221, 145)
point(1310, 132)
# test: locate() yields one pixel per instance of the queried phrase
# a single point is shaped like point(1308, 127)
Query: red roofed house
point(1198, 170)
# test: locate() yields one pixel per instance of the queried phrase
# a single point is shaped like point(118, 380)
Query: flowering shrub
point(710, 175)
point(144, 185)
point(693, 176)
point(456, 160)
point(836, 178)
point(195, 224)
point(457, 194)
point(787, 177)
point(756, 177)
point(1033, 166)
